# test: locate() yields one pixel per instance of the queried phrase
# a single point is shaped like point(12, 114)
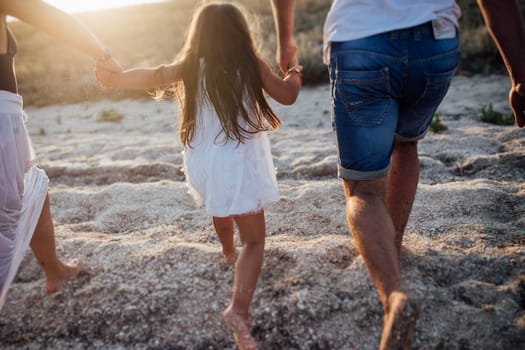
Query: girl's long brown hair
point(220, 37)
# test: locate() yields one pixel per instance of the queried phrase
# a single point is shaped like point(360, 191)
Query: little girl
point(219, 81)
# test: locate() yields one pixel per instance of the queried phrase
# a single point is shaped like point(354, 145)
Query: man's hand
point(287, 56)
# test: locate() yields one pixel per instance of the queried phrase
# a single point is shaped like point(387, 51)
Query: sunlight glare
point(81, 6)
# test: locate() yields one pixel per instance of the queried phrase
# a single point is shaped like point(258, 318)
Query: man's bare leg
point(399, 322)
point(403, 178)
point(44, 248)
point(374, 234)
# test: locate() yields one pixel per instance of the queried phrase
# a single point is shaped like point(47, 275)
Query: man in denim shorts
point(391, 63)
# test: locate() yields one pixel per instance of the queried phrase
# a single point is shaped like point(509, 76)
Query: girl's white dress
point(228, 177)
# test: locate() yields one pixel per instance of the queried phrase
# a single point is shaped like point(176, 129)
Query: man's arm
point(505, 24)
point(283, 12)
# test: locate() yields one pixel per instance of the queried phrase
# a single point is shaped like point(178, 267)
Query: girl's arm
point(60, 25)
point(139, 78)
point(285, 90)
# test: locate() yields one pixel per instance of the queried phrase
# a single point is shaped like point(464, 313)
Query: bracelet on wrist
point(295, 69)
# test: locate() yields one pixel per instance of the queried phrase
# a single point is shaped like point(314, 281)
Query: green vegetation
point(152, 34)
point(110, 115)
point(489, 115)
point(436, 126)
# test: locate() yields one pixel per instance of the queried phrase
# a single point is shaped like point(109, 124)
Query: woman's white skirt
point(23, 189)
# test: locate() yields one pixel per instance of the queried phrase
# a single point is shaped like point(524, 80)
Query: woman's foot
point(241, 332)
point(61, 274)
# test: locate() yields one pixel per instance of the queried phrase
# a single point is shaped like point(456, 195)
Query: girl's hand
point(295, 70)
point(283, 90)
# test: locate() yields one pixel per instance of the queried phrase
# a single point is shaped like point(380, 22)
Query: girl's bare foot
point(241, 332)
point(55, 279)
point(229, 258)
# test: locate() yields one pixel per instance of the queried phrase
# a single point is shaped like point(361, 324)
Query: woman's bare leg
point(44, 248)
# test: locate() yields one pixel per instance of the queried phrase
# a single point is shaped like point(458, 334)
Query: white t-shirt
point(355, 19)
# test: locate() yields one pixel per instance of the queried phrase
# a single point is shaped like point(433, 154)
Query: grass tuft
point(110, 115)
point(489, 115)
point(436, 126)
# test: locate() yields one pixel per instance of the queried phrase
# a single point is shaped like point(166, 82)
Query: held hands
point(517, 103)
point(293, 79)
point(106, 70)
point(289, 65)
point(295, 70)
point(287, 55)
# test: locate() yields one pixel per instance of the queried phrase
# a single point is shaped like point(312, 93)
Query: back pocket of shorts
point(365, 95)
point(436, 88)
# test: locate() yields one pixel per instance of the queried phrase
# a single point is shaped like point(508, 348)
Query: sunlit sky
point(90, 5)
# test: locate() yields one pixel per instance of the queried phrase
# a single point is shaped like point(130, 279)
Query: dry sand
point(154, 277)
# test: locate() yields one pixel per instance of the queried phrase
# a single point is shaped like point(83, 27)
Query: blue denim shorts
point(384, 87)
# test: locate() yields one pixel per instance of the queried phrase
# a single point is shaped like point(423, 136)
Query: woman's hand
point(110, 64)
point(106, 71)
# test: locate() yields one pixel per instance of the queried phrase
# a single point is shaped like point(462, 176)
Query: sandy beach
point(154, 276)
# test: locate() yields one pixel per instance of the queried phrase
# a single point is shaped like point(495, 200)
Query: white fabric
point(36, 185)
point(227, 177)
point(356, 19)
point(23, 189)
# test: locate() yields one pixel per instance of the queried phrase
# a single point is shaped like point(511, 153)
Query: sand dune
point(154, 277)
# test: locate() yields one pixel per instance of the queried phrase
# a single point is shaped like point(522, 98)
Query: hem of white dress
point(251, 212)
point(248, 212)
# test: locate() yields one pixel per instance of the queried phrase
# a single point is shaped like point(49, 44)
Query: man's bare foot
point(241, 332)
point(64, 272)
point(229, 258)
point(399, 322)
